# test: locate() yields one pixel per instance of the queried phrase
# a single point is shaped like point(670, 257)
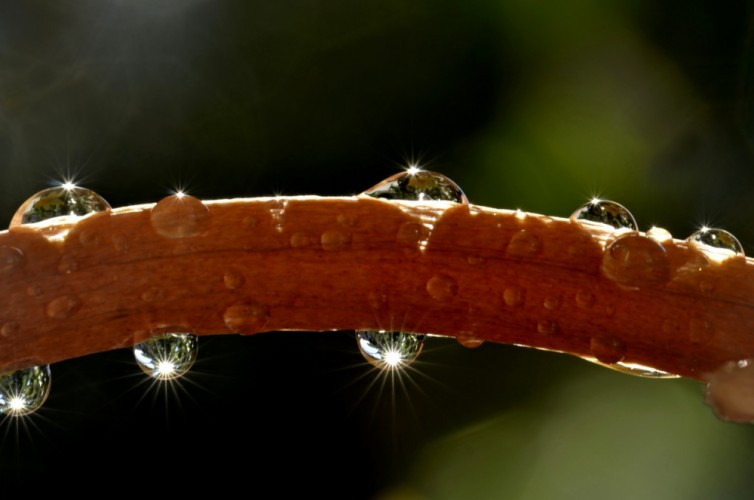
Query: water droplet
point(246, 318)
point(234, 280)
point(63, 306)
point(412, 234)
point(278, 215)
point(730, 391)
point(638, 370)
point(547, 327)
point(120, 242)
point(11, 258)
point(474, 260)
point(608, 350)
point(389, 350)
point(167, 356)
point(88, 238)
point(301, 239)
point(633, 260)
point(180, 217)
point(469, 341)
point(418, 185)
point(67, 264)
point(524, 244)
point(659, 234)
point(552, 303)
point(152, 294)
point(514, 296)
point(442, 287)
point(717, 242)
point(347, 219)
point(606, 212)
point(335, 239)
point(23, 392)
point(9, 328)
point(584, 299)
point(57, 202)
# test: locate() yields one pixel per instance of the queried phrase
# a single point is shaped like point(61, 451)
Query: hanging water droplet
point(607, 350)
point(419, 185)
point(167, 356)
point(389, 350)
point(180, 216)
point(23, 392)
point(469, 341)
point(635, 369)
point(718, 242)
point(59, 201)
point(606, 212)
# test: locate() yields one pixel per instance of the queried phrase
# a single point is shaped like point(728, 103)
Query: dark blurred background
point(526, 104)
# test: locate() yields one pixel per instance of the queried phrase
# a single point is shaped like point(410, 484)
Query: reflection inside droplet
point(389, 350)
point(418, 185)
point(717, 243)
point(606, 212)
point(167, 356)
point(66, 200)
point(23, 392)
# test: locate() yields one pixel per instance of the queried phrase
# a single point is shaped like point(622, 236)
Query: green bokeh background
point(526, 104)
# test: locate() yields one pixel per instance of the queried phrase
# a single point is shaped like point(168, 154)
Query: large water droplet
point(24, 391)
point(180, 216)
point(389, 350)
point(59, 201)
point(717, 242)
point(442, 287)
point(606, 212)
point(632, 260)
point(415, 184)
point(167, 356)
